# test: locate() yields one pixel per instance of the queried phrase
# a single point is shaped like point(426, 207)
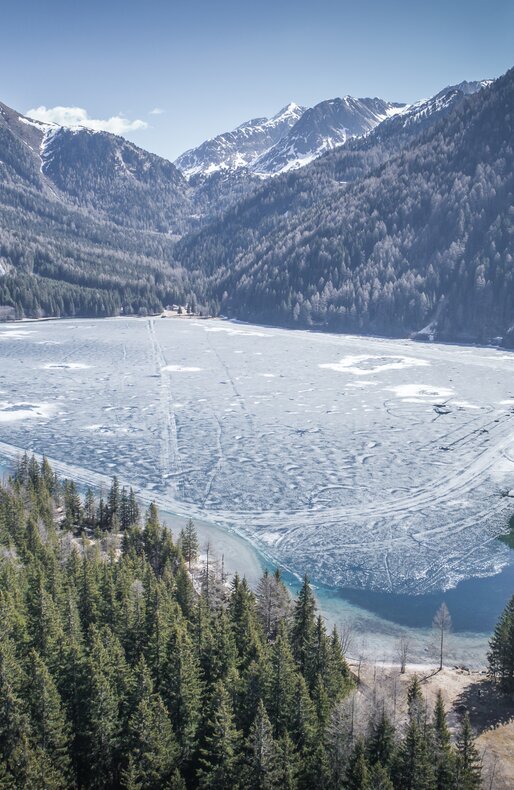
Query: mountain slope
point(61, 255)
point(258, 214)
point(109, 175)
point(426, 235)
point(240, 147)
point(100, 172)
point(322, 128)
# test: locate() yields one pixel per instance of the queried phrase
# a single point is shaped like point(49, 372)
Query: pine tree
point(50, 731)
point(445, 762)
point(152, 745)
point(357, 774)
point(219, 761)
point(468, 763)
point(303, 630)
point(189, 544)
point(263, 761)
point(501, 649)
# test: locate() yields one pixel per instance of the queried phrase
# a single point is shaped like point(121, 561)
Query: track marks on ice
point(170, 466)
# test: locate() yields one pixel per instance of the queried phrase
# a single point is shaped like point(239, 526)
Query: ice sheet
point(394, 484)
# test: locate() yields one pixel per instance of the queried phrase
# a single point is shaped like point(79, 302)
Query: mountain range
point(291, 138)
point(353, 215)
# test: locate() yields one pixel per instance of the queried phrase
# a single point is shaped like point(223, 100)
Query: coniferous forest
point(406, 228)
point(121, 669)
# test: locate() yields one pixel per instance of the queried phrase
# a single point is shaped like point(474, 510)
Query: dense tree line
point(115, 672)
point(105, 253)
point(427, 235)
point(409, 226)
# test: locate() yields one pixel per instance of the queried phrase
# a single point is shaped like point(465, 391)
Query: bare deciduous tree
point(346, 634)
point(442, 623)
point(403, 652)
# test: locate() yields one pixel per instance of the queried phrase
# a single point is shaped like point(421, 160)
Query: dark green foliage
point(468, 762)
point(443, 752)
point(220, 754)
point(115, 673)
point(501, 649)
point(189, 543)
point(383, 235)
point(357, 775)
point(409, 225)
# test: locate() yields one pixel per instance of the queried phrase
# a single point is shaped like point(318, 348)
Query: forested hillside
point(115, 672)
point(86, 242)
point(409, 228)
point(427, 236)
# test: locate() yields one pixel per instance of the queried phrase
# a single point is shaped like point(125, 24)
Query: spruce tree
point(50, 730)
point(468, 760)
point(501, 649)
point(263, 761)
point(182, 689)
point(189, 544)
point(151, 743)
point(280, 696)
point(415, 705)
point(219, 761)
point(444, 757)
point(288, 764)
point(357, 774)
point(379, 778)
point(104, 728)
point(303, 630)
point(15, 730)
point(90, 509)
point(414, 768)
point(381, 740)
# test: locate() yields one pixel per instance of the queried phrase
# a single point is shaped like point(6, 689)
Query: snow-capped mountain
point(293, 137)
point(97, 171)
point(240, 147)
point(424, 111)
point(321, 128)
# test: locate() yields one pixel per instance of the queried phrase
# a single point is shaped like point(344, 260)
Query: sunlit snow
point(370, 463)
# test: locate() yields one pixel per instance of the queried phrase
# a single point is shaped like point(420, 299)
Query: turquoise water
point(376, 619)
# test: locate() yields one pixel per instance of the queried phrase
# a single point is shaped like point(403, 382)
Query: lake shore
point(464, 691)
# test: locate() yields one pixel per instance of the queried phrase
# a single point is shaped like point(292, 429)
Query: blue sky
point(204, 67)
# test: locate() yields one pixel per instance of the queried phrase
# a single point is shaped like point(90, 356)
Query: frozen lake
point(373, 464)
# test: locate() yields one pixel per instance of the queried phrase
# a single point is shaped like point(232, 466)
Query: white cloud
point(156, 111)
point(78, 116)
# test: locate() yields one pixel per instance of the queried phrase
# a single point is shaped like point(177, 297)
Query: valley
point(379, 467)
